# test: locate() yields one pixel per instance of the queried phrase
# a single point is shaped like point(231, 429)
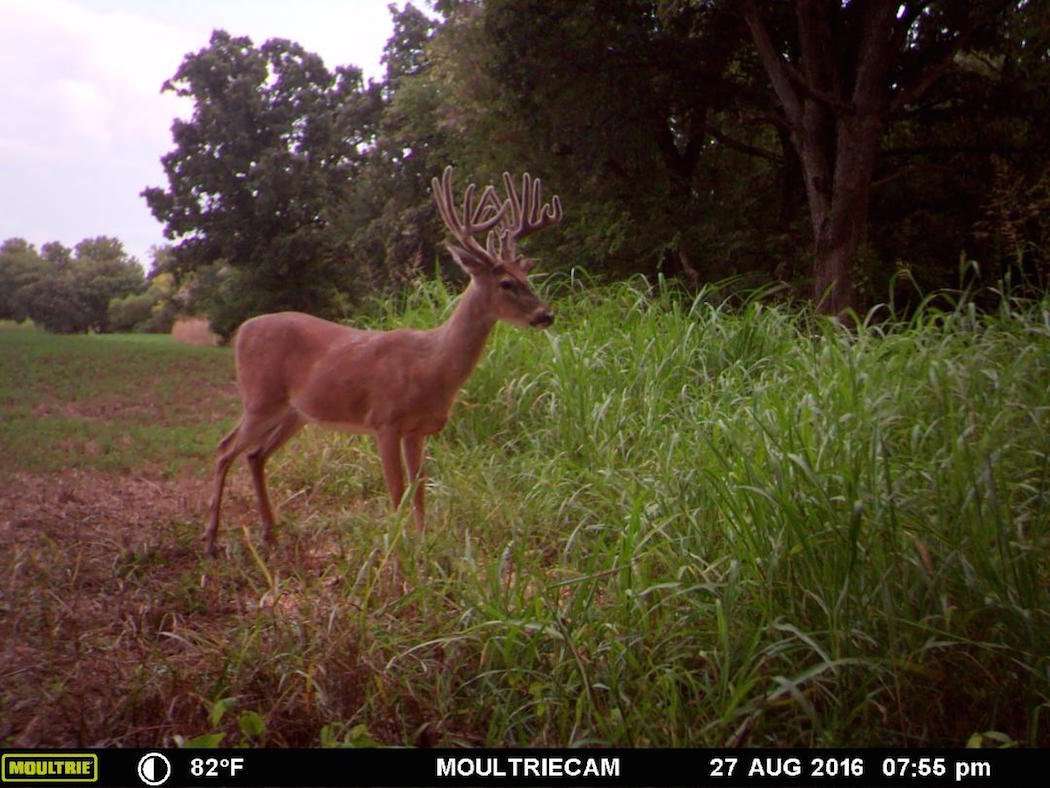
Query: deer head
point(498, 269)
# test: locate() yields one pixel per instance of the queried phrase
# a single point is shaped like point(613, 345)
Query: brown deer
point(293, 369)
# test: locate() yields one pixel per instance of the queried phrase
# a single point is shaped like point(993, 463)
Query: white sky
point(82, 121)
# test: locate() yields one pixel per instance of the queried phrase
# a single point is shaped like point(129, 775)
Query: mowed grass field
point(665, 522)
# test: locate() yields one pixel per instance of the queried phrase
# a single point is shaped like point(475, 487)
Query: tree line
point(853, 151)
point(95, 286)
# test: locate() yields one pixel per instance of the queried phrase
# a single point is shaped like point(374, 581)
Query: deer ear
point(469, 262)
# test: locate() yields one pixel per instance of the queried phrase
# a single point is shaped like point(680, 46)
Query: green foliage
point(126, 313)
point(386, 222)
point(293, 187)
point(66, 291)
point(19, 267)
point(673, 523)
point(273, 140)
point(336, 735)
point(152, 311)
point(639, 130)
point(968, 171)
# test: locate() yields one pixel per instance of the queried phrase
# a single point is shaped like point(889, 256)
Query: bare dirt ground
point(115, 630)
point(69, 656)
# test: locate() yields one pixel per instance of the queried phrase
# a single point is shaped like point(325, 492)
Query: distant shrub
point(153, 311)
point(127, 313)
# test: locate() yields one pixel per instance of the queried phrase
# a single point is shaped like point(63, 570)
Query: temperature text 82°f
point(216, 767)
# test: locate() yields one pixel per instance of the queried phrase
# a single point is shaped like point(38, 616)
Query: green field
point(666, 522)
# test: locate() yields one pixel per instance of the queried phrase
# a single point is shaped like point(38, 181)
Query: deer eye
point(507, 284)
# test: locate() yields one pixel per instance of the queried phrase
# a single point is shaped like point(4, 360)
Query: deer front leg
point(389, 444)
point(414, 447)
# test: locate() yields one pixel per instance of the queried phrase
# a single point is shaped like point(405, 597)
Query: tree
point(67, 291)
point(102, 270)
point(53, 303)
point(274, 139)
point(685, 136)
point(841, 72)
point(20, 266)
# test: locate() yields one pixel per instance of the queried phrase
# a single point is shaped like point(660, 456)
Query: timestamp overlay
point(416, 767)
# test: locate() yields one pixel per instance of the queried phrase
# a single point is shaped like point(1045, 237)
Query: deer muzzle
point(542, 319)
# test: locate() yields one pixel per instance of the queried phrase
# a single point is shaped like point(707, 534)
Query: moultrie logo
point(49, 767)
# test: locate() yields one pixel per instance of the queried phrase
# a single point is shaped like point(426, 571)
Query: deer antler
point(464, 229)
point(524, 213)
point(527, 212)
point(505, 221)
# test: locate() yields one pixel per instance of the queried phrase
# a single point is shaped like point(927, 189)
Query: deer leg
point(245, 434)
point(257, 458)
point(389, 443)
point(414, 446)
point(222, 465)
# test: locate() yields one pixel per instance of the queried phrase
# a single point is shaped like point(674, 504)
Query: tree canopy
point(847, 150)
point(829, 146)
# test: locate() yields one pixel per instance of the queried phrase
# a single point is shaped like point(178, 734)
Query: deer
point(399, 386)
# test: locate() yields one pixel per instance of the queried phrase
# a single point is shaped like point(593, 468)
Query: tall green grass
point(672, 522)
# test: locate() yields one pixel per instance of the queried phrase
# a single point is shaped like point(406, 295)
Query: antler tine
point(499, 223)
point(542, 213)
point(491, 201)
point(488, 201)
point(464, 227)
point(468, 202)
point(553, 211)
point(528, 212)
point(437, 190)
point(514, 203)
point(505, 221)
point(495, 243)
point(537, 197)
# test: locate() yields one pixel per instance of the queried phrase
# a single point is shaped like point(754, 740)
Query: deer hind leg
point(248, 432)
point(414, 446)
point(257, 458)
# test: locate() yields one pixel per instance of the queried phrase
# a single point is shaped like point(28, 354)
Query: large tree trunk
point(835, 101)
point(832, 271)
point(789, 178)
point(837, 93)
point(838, 199)
point(840, 214)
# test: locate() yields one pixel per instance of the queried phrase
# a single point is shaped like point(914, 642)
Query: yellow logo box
point(45, 767)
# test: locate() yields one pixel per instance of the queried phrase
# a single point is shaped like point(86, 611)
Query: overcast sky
point(82, 121)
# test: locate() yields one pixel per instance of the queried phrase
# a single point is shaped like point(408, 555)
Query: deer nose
point(542, 319)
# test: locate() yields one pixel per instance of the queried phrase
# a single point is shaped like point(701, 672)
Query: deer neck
point(462, 337)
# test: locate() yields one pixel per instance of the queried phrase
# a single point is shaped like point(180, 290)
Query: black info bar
point(493, 767)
